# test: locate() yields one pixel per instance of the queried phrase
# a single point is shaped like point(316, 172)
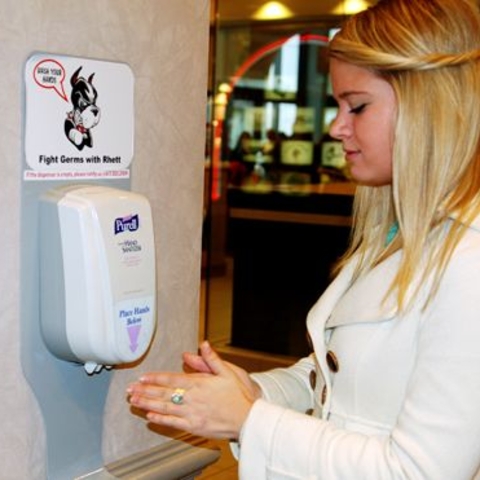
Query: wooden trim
point(291, 217)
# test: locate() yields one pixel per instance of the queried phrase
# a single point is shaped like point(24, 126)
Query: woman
point(392, 390)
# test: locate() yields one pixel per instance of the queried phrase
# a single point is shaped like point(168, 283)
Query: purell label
point(126, 224)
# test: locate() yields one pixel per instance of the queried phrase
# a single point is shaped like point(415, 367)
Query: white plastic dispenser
point(97, 274)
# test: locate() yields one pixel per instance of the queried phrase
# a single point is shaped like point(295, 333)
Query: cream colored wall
point(165, 43)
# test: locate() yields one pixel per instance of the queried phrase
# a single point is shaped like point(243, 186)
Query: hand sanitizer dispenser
point(97, 274)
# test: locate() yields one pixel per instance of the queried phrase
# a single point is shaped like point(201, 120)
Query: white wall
point(165, 43)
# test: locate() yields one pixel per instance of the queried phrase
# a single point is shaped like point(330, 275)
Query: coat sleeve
point(437, 433)
point(288, 387)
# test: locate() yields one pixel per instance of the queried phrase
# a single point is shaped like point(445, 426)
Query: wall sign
point(79, 118)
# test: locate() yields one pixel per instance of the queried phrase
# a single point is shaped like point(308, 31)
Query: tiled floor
point(218, 328)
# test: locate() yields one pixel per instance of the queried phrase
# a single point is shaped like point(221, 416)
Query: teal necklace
point(392, 231)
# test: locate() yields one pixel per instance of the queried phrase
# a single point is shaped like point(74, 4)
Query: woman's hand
point(215, 399)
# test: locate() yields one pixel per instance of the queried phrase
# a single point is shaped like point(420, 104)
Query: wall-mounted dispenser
point(97, 275)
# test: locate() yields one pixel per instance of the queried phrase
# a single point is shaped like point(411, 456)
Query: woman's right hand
point(213, 401)
point(196, 363)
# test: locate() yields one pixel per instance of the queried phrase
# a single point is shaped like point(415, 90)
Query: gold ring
point(177, 396)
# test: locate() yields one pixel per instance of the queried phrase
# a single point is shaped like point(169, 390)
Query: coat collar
point(321, 310)
point(365, 300)
point(362, 302)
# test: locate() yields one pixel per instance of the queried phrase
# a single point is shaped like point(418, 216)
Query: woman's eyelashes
point(359, 109)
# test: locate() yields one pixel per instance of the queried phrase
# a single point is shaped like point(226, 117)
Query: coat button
point(323, 397)
point(313, 379)
point(332, 361)
point(309, 412)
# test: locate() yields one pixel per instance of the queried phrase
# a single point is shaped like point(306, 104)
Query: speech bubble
point(50, 74)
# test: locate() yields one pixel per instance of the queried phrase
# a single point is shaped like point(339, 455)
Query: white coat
point(405, 401)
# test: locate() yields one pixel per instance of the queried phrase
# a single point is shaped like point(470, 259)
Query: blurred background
point(277, 191)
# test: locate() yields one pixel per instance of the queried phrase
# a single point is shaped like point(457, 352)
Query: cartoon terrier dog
point(85, 114)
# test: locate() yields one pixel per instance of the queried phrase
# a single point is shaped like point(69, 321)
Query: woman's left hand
point(214, 404)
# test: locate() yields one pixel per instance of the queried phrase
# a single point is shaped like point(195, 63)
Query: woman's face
point(365, 122)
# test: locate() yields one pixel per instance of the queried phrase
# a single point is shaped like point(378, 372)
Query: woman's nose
point(339, 128)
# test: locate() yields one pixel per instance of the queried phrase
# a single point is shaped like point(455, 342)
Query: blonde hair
point(428, 50)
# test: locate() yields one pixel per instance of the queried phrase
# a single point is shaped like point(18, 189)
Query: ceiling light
point(350, 7)
point(272, 11)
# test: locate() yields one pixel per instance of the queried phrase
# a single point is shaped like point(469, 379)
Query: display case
point(278, 114)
